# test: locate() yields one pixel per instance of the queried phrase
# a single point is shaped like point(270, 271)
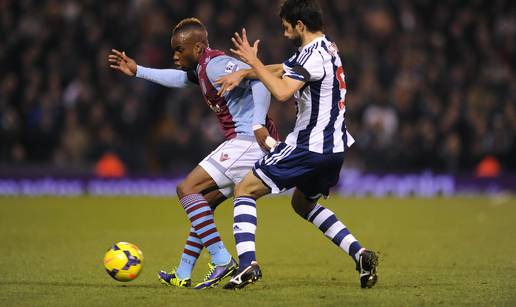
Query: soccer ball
point(123, 261)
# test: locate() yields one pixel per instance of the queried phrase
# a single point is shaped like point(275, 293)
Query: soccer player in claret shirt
point(311, 157)
point(242, 114)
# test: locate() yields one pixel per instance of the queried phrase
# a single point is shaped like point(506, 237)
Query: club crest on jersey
point(333, 50)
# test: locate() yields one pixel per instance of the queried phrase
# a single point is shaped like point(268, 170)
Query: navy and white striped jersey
point(320, 102)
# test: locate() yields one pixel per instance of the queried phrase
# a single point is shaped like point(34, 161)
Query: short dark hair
point(308, 11)
point(189, 24)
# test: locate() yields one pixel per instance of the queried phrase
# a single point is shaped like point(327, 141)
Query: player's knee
point(183, 189)
point(298, 208)
point(239, 190)
point(243, 189)
point(302, 205)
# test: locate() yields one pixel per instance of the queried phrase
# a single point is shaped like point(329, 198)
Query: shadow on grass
point(75, 284)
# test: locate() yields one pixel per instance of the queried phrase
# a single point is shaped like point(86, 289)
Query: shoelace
point(212, 269)
point(173, 277)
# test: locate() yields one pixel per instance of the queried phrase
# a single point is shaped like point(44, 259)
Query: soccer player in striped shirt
point(311, 157)
point(242, 115)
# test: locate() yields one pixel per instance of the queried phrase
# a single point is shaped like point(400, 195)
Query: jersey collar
point(315, 40)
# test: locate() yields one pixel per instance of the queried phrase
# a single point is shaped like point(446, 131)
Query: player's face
point(183, 52)
point(291, 33)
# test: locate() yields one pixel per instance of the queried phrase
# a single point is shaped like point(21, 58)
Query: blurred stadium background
point(432, 84)
point(431, 101)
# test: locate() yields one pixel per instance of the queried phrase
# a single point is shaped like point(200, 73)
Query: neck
point(308, 37)
point(203, 50)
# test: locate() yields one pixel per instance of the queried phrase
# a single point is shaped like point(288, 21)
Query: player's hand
point(121, 62)
point(229, 82)
point(263, 138)
point(244, 50)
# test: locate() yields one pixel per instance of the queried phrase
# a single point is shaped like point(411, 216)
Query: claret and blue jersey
point(242, 107)
point(238, 110)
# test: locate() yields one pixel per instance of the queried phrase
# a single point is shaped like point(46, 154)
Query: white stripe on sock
point(346, 242)
point(334, 229)
point(319, 219)
point(246, 246)
point(244, 209)
point(317, 207)
point(244, 227)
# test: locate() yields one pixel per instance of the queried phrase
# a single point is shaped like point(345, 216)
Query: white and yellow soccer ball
point(123, 261)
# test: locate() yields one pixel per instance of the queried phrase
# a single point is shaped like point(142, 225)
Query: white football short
point(231, 161)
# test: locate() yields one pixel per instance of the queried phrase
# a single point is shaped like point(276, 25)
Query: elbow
point(282, 97)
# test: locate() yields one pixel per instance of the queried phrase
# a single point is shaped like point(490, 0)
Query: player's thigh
point(197, 181)
point(249, 153)
point(284, 168)
point(251, 186)
point(231, 161)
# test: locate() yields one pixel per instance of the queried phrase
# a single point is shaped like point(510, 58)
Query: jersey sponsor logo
point(214, 107)
point(231, 67)
point(224, 157)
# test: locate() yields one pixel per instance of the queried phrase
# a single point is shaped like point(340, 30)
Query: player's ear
point(300, 26)
point(198, 47)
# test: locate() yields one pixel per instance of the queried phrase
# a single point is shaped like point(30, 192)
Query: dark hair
point(308, 11)
point(190, 24)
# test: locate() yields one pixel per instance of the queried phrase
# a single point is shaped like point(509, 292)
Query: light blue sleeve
point(262, 100)
point(165, 77)
point(224, 65)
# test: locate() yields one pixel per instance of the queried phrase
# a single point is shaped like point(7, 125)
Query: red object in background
point(110, 166)
point(488, 167)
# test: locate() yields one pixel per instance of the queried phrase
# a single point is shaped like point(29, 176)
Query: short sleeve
point(308, 66)
point(223, 65)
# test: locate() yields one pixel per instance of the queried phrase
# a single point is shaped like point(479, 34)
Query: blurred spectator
point(431, 84)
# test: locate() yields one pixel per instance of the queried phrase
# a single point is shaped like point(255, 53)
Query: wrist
point(255, 63)
point(257, 127)
point(246, 73)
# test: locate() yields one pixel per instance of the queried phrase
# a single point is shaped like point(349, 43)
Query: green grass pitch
point(457, 251)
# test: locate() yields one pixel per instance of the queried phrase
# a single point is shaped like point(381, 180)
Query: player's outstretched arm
point(229, 82)
point(166, 77)
point(121, 62)
point(281, 88)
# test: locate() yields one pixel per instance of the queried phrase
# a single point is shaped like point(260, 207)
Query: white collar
point(317, 39)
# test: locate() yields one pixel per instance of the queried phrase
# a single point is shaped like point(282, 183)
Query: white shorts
point(231, 161)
